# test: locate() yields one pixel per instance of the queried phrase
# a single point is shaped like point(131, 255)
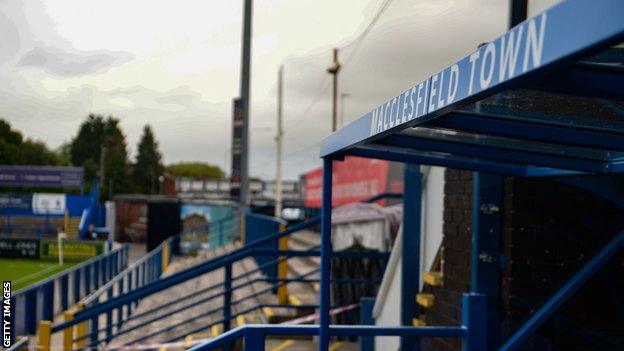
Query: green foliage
point(99, 136)
point(148, 166)
point(37, 153)
point(10, 141)
point(63, 154)
point(14, 150)
point(195, 170)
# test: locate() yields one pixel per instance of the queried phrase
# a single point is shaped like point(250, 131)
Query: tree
point(63, 154)
point(10, 142)
point(97, 137)
point(34, 152)
point(148, 166)
point(14, 150)
point(195, 170)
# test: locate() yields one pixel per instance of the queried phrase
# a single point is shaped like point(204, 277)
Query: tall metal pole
point(518, 10)
point(326, 250)
point(333, 70)
point(245, 96)
point(278, 146)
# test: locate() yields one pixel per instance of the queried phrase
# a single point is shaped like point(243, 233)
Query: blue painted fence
point(258, 227)
point(146, 270)
point(55, 294)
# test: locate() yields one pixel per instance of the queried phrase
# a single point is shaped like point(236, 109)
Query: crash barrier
point(42, 301)
point(259, 226)
point(471, 331)
point(146, 270)
point(88, 318)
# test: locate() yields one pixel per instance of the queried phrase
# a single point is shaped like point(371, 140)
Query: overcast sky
point(175, 65)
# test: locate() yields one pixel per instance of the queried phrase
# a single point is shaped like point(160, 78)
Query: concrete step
point(425, 300)
point(433, 278)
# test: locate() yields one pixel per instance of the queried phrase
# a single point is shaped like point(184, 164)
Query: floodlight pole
point(278, 145)
point(245, 97)
point(333, 70)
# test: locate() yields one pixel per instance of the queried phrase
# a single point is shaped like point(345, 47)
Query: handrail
point(150, 288)
point(203, 300)
point(182, 276)
point(203, 314)
point(77, 277)
point(213, 287)
point(256, 333)
point(110, 284)
point(71, 269)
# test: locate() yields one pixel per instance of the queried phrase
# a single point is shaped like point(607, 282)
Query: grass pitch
point(25, 272)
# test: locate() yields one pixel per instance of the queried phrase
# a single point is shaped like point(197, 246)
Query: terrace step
point(425, 300)
point(433, 278)
point(420, 321)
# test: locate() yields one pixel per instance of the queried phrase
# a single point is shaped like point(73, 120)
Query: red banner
point(354, 179)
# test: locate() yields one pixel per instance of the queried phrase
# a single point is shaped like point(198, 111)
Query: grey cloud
point(68, 63)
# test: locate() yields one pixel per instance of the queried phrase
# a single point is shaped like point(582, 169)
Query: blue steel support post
point(367, 343)
point(94, 331)
point(64, 290)
point(86, 273)
point(227, 299)
point(326, 249)
point(120, 284)
point(254, 340)
point(30, 307)
point(474, 319)
point(109, 315)
point(96, 275)
point(48, 301)
point(410, 252)
point(135, 285)
point(486, 255)
point(77, 283)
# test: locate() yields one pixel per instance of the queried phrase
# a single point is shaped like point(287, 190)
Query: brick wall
point(455, 258)
point(549, 231)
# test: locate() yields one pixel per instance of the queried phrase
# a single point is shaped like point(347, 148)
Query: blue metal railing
point(472, 330)
point(45, 299)
point(146, 270)
point(257, 248)
point(92, 312)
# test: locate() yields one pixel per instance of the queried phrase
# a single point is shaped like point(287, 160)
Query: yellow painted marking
point(268, 312)
point(68, 333)
point(45, 334)
point(240, 320)
point(294, 300)
point(165, 255)
point(215, 330)
point(433, 278)
point(418, 322)
point(188, 341)
point(283, 345)
point(425, 300)
point(81, 329)
point(335, 345)
point(282, 268)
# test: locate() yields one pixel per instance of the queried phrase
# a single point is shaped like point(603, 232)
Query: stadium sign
point(73, 250)
point(41, 176)
point(19, 248)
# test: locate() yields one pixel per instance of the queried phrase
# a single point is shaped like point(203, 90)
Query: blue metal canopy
point(545, 98)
